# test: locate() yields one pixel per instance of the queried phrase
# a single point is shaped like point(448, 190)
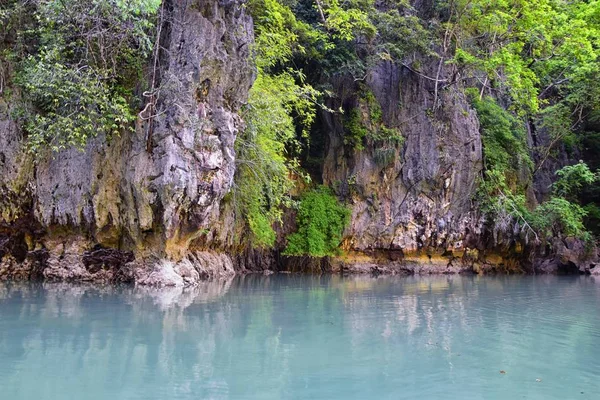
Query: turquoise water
point(298, 337)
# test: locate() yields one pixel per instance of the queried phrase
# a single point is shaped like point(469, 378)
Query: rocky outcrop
point(145, 206)
point(420, 199)
point(149, 206)
point(413, 202)
point(568, 255)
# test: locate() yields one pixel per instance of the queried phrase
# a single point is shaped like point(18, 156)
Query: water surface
point(299, 337)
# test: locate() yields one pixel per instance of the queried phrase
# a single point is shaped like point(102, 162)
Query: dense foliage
point(503, 135)
point(540, 58)
point(265, 167)
point(282, 105)
point(280, 102)
point(508, 167)
point(321, 221)
point(531, 65)
point(77, 64)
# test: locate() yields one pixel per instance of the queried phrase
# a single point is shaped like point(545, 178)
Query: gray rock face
point(156, 191)
point(421, 199)
point(569, 255)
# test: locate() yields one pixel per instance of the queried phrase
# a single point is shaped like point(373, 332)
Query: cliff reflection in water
point(302, 337)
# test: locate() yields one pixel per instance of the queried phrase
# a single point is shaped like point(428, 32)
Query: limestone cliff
point(147, 195)
point(416, 210)
point(149, 206)
point(421, 199)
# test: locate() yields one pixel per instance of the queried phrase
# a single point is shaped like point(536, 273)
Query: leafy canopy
point(78, 61)
point(282, 105)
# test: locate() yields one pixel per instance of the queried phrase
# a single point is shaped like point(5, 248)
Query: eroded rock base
point(80, 261)
point(72, 262)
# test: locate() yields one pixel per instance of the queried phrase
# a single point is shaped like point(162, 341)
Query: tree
point(77, 63)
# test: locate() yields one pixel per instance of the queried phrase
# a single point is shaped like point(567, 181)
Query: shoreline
point(106, 266)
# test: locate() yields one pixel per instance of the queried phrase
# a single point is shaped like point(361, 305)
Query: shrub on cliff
point(503, 137)
point(507, 168)
point(264, 167)
point(321, 221)
point(67, 105)
point(281, 108)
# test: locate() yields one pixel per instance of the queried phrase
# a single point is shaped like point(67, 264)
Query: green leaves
point(503, 138)
point(501, 196)
point(559, 216)
point(345, 23)
point(266, 164)
point(364, 124)
point(77, 73)
point(527, 47)
point(276, 37)
point(532, 61)
point(321, 222)
point(541, 58)
point(67, 105)
point(572, 178)
point(281, 107)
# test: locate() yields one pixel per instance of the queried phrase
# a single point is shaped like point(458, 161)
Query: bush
point(364, 124)
point(356, 131)
point(264, 173)
point(321, 221)
point(559, 216)
point(78, 62)
point(572, 178)
point(280, 106)
point(500, 193)
point(69, 105)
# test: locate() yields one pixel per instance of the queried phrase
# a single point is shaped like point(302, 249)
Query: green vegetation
point(540, 58)
point(562, 213)
point(266, 149)
point(527, 48)
point(77, 63)
point(282, 105)
point(264, 174)
point(559, 216)
point(68, 106)
point(532, 67)
point(501, 191)
point(364, 125)
point(572, 178)
point(321, 221)
point(531, 63)
point(503, 136)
